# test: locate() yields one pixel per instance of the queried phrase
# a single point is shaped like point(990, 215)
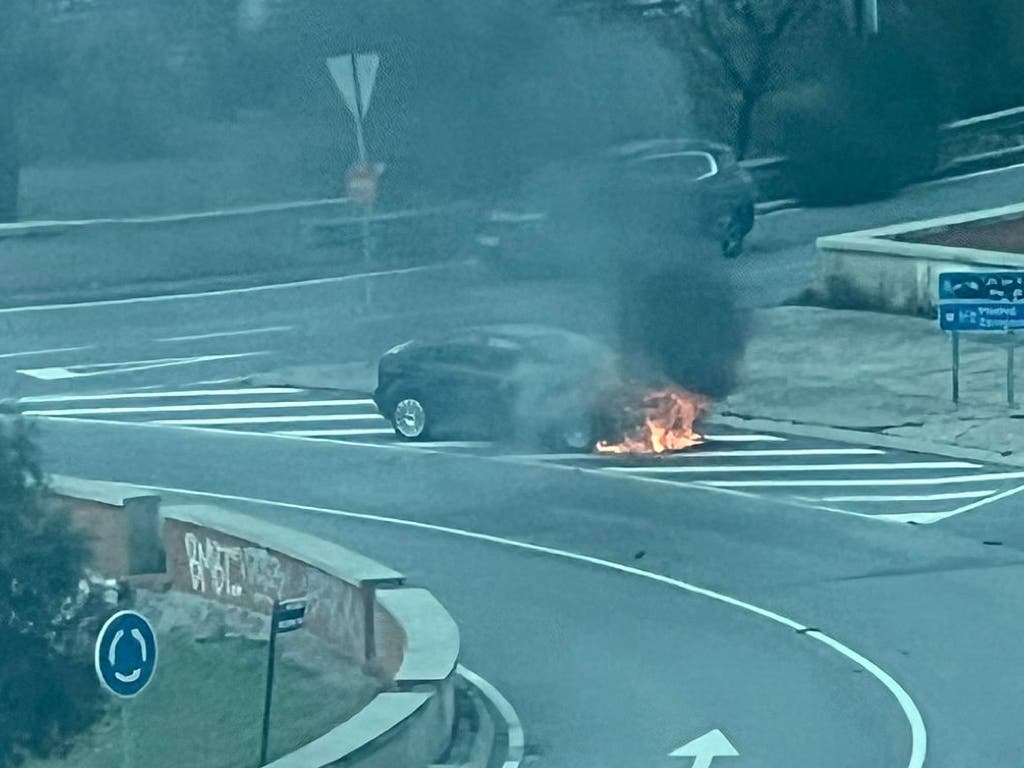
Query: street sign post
point(991, 302)
point(125, 659)
point(355, 75)
point(285, 616)
point(125, 654)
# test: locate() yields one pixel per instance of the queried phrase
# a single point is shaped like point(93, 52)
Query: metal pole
point(367, 252)
point(956, 367)
point(271, 654)
point(127, 758)
point(1009, 372)
point(360, 142)
point(871, 16)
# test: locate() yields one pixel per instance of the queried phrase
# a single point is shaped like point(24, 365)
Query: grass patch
point(205, 706)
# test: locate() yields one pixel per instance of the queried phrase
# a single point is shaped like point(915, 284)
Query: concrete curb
point(504, 714)
point(860, 437)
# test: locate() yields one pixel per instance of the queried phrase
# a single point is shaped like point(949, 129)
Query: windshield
point(519, 383)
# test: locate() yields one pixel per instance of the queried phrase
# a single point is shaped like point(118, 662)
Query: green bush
point(867, 127)
point(47, 689)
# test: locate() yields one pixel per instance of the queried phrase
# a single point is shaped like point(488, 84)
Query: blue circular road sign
point(125, 654)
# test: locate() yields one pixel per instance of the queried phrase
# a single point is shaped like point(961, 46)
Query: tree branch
point(719, 47)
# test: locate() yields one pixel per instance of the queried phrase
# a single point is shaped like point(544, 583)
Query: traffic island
point(897, 268)
point(361, 669)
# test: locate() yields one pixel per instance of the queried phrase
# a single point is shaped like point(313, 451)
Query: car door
point(469, 378)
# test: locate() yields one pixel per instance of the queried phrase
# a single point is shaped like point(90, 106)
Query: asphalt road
point(609, 660)
point(617, 668)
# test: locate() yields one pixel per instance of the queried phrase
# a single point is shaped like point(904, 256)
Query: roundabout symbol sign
point(125, 654)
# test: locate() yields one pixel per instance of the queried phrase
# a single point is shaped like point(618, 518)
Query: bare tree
point(740, 42)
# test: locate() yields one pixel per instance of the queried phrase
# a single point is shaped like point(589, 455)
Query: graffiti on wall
point(232, 571)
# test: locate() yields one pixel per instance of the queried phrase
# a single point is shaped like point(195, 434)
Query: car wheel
point(733, 232)
point(410, 418)
point(576, 437)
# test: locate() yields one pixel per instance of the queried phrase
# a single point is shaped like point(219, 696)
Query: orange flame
point(668, 416)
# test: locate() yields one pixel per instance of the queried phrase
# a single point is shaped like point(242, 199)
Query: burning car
point(530, 384)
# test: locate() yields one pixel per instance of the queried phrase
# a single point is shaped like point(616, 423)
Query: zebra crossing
point(837, 477)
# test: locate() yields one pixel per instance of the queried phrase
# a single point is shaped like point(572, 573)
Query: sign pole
point(269, 691)
point(956, 367)
point(126, 745)
point(1009, 370)
point(361, 141)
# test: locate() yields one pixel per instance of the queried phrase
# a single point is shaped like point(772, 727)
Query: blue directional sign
point(125, 654)
point(981, 301)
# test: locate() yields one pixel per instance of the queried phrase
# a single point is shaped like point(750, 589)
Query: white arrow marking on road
point(706, 748)
point(128, 366)
point(365, 73)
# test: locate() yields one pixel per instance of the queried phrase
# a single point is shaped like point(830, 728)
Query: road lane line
point(740, 468)
point(223, 334)
point(513, 725)
point(744, 438)
point(927, 518)
point(338, 432)
point(271, 419)
point(918, 732)
point(129, 366)
point(55, 350)
point(231, 291)
point(696, 454)
point(197, 407)
point(947, 480)
point(920, 497)
point(176, 217)
point(147, 395)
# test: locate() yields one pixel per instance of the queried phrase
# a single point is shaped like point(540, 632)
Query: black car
point(688, 186)
point(518, 383)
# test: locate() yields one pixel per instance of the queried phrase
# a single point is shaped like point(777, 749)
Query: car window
point(688, 165)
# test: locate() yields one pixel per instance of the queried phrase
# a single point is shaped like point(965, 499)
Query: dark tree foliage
point(977, 48)
point(48, 691)
point(869, 125)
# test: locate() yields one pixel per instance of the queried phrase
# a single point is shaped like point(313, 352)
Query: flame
point(665, 423)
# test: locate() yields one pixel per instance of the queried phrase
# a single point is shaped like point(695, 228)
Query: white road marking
point(697, 454)
point(452, 444)
point(229, 291)
point(926, 518)
point(272, 419)
point(338, 432)
point(147, 395)
point(513, 726)
point(130, 366)
point(918, 732)
point(921, 497)
point(744, 438)
point(223, 334)
point(167, 218)
point(947, 480)
point(33, 352)
point(974, 174)
point(195, 407)
point(677, 469)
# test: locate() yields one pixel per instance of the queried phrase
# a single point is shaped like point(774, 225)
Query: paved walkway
point(882, 373)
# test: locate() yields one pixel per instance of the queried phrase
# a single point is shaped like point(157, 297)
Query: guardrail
point(968, 145)
point(359, 606)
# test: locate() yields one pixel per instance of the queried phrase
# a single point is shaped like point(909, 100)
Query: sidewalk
point(885, 374)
